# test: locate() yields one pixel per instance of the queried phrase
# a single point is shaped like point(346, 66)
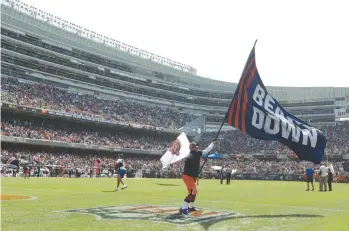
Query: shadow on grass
point(167, 184)
point(109, 191)
point(208, 224)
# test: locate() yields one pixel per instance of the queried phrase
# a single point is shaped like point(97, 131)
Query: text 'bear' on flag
point(179, 150)
point(255, 112)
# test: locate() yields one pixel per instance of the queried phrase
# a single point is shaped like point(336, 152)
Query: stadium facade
point(39, 47)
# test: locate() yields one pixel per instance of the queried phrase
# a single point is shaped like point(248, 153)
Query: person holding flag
point(190, 174)
point(259, 115)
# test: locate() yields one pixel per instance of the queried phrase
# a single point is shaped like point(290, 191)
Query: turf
point(260, 205)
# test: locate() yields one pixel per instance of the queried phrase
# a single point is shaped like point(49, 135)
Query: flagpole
point(327, 165)
point(327, 157)
point(326, 150)
point(225, 118)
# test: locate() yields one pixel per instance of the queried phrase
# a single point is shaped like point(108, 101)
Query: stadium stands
point(235, 142)
point(83, 161)
point(58, 99)
point(43, 67)
point(23, 53)
point(48, 130)
point(230, 142)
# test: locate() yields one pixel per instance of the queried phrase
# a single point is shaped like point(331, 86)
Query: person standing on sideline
point(190, 175)
point(309, 174)
point(221, 173)
point(329, 180)
point(228, 172)
point(323, 177)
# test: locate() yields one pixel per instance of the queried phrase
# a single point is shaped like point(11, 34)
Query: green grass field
point(243, 205)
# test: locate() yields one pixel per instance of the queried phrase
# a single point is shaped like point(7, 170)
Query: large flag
point(179, 149)
point(255, 112)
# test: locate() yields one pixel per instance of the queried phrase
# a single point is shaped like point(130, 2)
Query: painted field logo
point(154, 213)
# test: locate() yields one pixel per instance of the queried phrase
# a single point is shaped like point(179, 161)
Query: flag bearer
point(191, 173)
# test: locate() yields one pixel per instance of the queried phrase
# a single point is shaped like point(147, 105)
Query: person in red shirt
point(26, 172)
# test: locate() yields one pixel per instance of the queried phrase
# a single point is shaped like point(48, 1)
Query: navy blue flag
point(260, 116)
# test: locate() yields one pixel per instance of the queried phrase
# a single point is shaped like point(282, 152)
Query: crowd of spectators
point(152, 163)
point(229, 142)
point(61, 100)
point(236, 142)
point(338, 139)
point(269, 166)
point(59, 132)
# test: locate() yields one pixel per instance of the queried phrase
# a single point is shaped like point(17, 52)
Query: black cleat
point(183, 211)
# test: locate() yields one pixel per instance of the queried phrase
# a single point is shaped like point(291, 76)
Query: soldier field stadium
point(87, 122)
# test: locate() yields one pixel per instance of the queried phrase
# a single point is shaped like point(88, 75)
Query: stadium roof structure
point(76, 29)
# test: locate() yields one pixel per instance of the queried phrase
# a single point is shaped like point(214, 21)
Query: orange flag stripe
point(239, 95)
